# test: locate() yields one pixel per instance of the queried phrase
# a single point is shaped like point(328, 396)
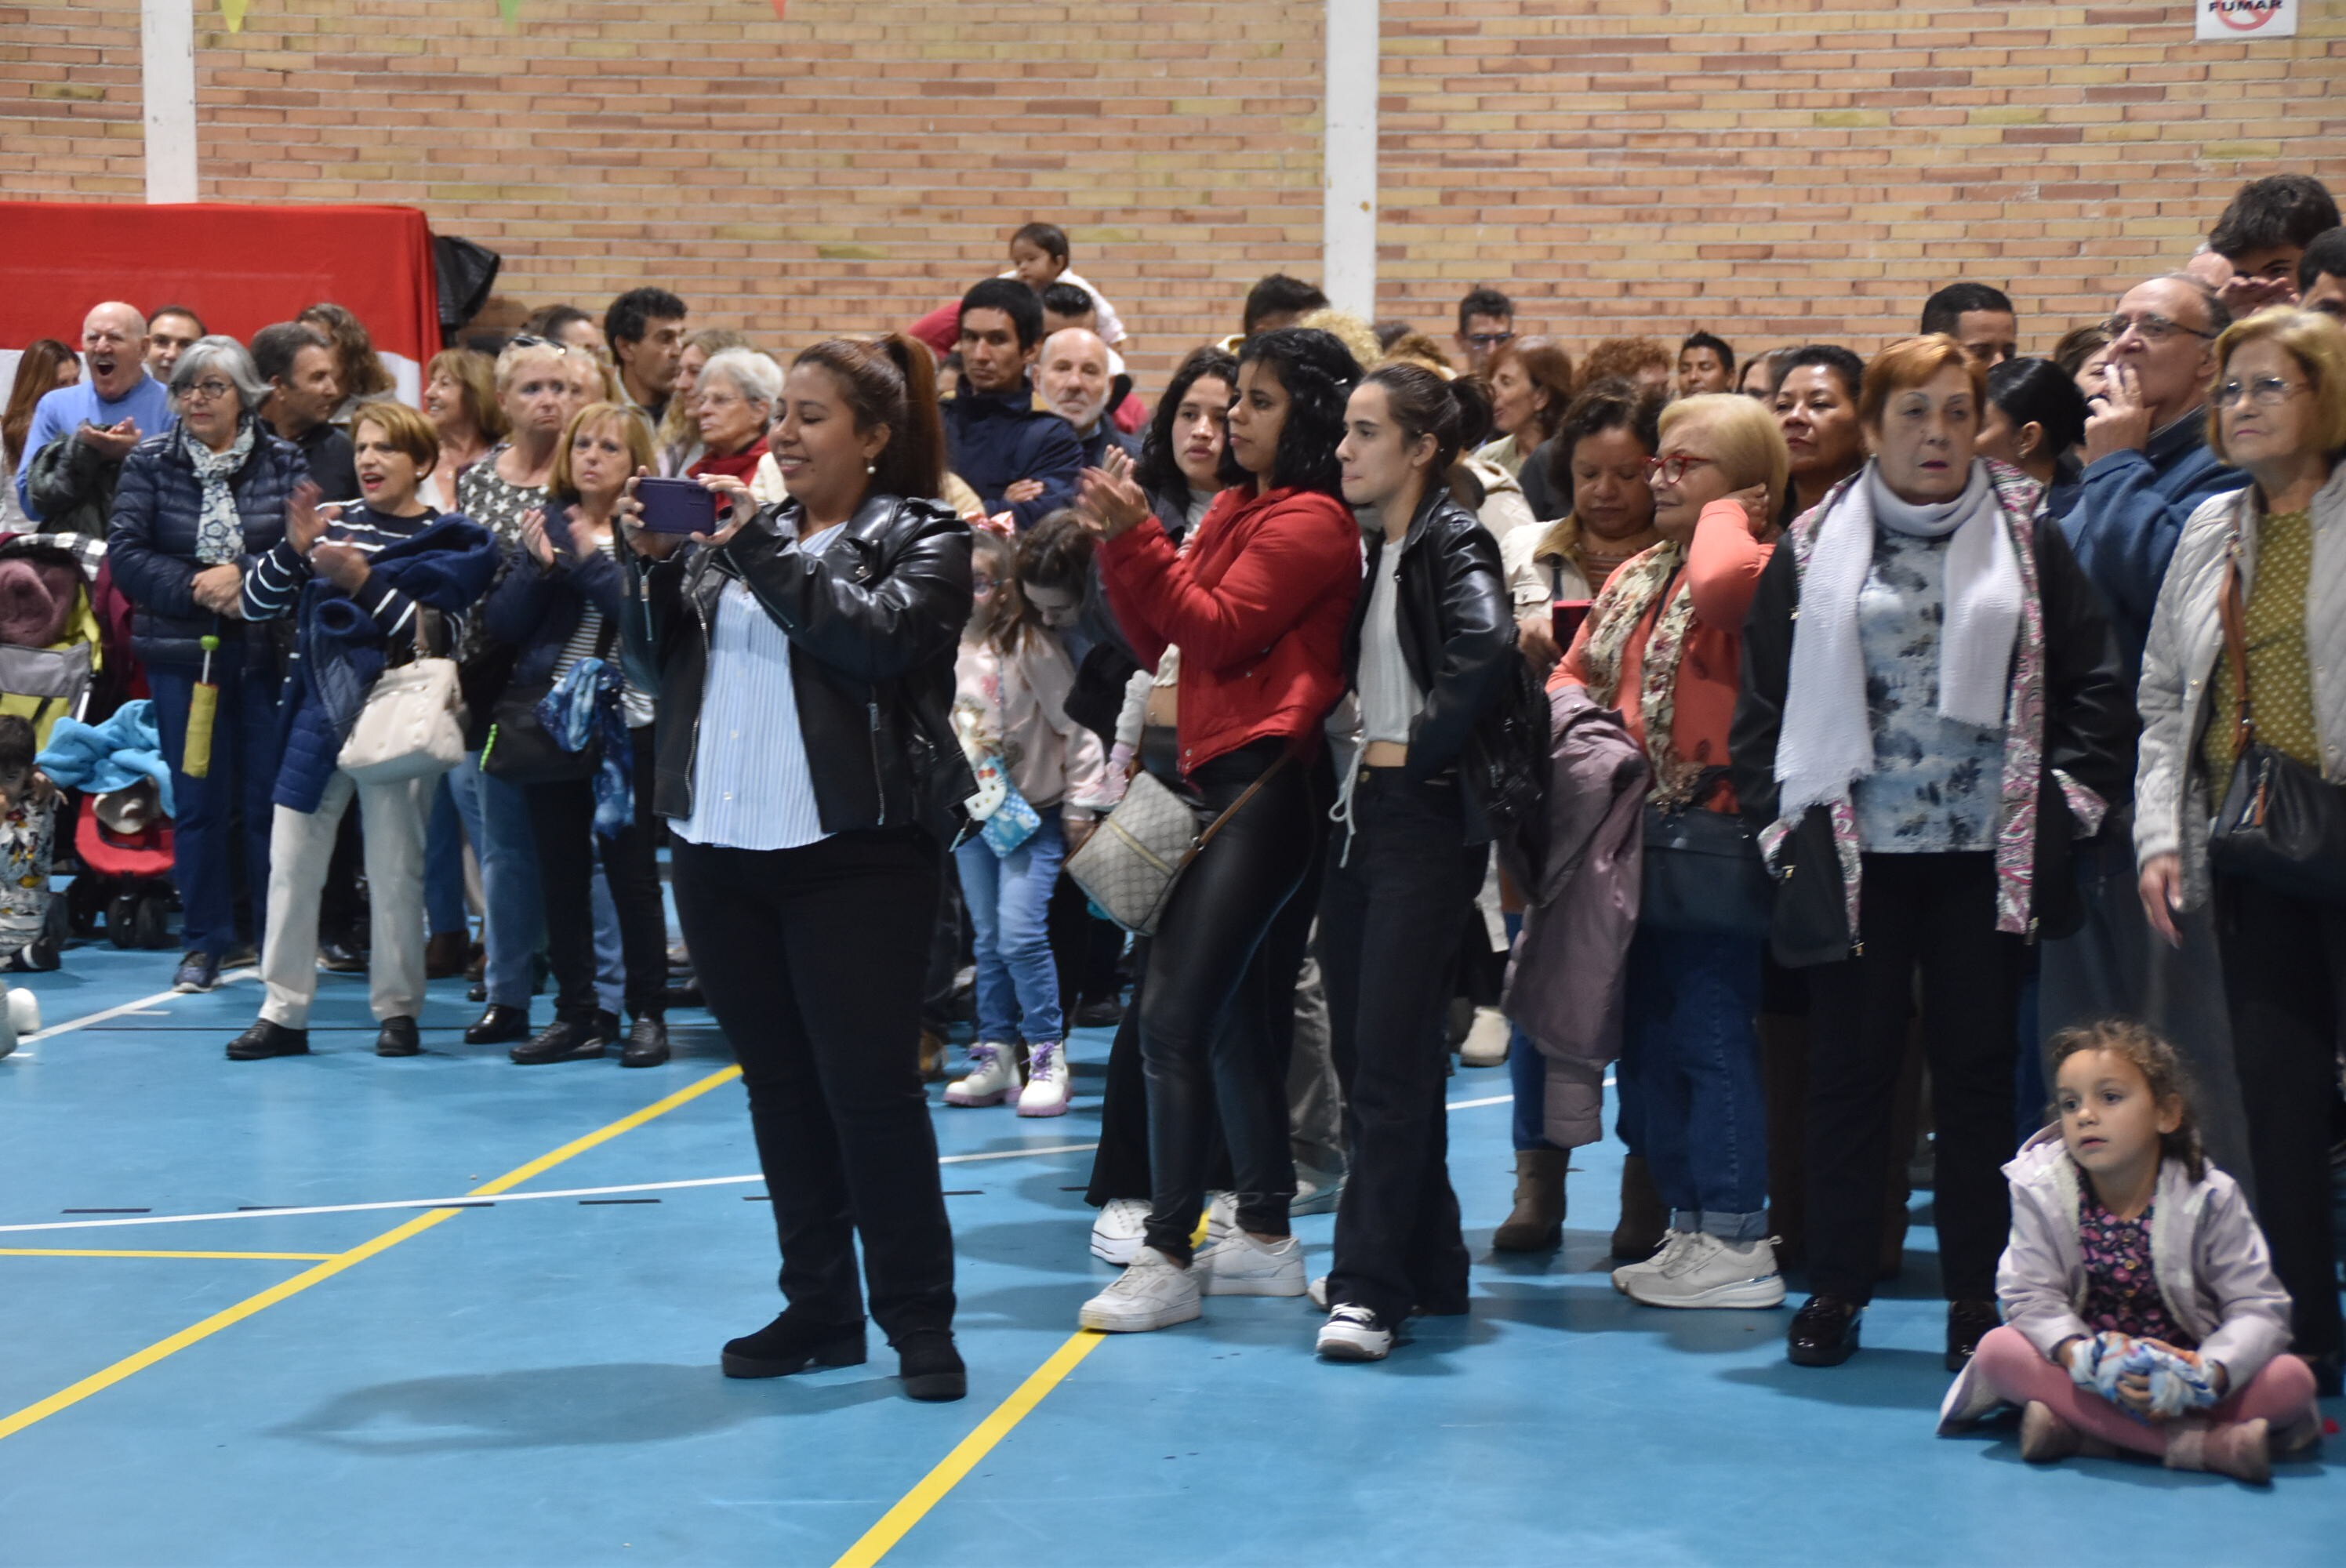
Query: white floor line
point(501, 1197)
point(145, 1004)
point(1478, 1105)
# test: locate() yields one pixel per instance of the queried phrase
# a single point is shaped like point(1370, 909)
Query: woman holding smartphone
point(810, 646)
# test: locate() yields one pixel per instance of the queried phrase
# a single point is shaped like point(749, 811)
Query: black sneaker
point(566, 1040)
point(265, 1040)
point(930, 1367)
point(196, 972)
point(647, 1044)
point(398, 1039)
point(789, 1345)
point(1355, 1333)
point(1823, 1332)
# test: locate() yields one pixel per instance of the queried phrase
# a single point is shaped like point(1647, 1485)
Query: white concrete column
point(167, 71)
point(1347, 235)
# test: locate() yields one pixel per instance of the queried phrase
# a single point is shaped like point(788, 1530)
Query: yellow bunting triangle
point(234, 11)
point(509, 9)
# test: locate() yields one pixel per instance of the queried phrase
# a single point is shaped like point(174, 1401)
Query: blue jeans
point(443, 865)
point(243, 776)
point(1009, 897)
point(1526, 1073)
point(1689, 1079)
point(513, 928)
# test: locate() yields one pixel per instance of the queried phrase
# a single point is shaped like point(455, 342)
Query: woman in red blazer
point(1254, 608)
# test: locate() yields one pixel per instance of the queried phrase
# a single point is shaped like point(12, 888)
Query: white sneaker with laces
point(993, 1076)
point(1708, 1272)
point(1353, 1334)
point(1238, 1265)
point(1048, 1081)
point(1154, 1293)
point(1485, 1044)
point(1118, 1233)
point(1629, 1273)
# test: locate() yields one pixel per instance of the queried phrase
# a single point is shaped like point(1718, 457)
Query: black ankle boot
point(930, 1367)
point(789, 1345)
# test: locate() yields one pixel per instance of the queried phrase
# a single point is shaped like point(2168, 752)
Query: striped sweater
point(273, 582)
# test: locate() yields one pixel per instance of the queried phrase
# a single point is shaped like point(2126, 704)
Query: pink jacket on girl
point(1053, 760)
point(2213, 1271)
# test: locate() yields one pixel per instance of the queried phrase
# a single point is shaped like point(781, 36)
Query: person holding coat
point(194, 508)
point(811, 646)
point(1932, 713)
point(2279, 413)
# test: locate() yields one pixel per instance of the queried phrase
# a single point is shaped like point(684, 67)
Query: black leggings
point(562, 817)
point(811, 959)
point(1207, 1025)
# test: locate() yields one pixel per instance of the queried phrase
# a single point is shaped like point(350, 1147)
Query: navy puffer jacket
point(151, 546)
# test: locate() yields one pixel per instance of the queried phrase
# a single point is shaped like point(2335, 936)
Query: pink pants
point(2281, 1393)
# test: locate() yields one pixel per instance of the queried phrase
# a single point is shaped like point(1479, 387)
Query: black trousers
point(1208, 1000)
point(1120, 1164)
point(562, 820)
point(1934, 913)
point(1392, 919)
point(811, 960)
point(2285, 976)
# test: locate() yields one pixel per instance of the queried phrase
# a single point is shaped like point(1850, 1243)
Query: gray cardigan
point(2173, 796)
point(2206, 1252)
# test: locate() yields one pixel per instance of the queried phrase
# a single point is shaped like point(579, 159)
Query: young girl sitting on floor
point(2140, 1307)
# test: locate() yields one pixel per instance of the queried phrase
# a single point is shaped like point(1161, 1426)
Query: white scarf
point(1827, 739)
point(219, 529)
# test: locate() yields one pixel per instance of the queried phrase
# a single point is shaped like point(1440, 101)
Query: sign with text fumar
point(2234, 21)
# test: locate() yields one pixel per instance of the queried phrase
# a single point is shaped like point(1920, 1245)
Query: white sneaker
point(1048, 1081)
point(1318, 1291)
point(1118, 1233)
point(20, 1015)
point(993, 1076)
point(1353, 1334)
point(1154, 1293)
point(1630, 1273)
point(1316, 1192)
point(1221, 1217)
point(1708, 1272)
point(1238, 1265)
point(1485, 1044)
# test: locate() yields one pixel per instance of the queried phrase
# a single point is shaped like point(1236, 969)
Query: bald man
point(108, 410)
point(1075, 378)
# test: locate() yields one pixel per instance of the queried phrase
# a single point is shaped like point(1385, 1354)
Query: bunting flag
point(234, 11)
point(509, 9)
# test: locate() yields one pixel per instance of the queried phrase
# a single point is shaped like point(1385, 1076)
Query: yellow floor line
point(882, 1538)
point(125, 1252)
point(128, 1366)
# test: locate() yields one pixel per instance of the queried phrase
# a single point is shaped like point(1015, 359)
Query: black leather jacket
point(1457, 635)
point(874, 617)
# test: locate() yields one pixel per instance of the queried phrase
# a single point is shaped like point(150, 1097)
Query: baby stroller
point(124, 844)
point(50, 656)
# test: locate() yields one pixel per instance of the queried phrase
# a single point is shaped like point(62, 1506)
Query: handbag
point(1130, 865)
point(2281, 823)
point(519, 749)
point(1703, 872)
point(409, 727)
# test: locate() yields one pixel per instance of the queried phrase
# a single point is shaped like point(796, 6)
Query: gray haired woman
point(737, 395)
point(194, 506)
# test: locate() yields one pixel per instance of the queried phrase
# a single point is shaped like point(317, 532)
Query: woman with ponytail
point(1428, 658)
point(807, 766)
point(1258, 604)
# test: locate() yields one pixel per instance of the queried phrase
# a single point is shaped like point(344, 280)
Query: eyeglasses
point(2153, 329)
point(205, 392)
point(531, 341)
point(1671, 469)
point(2265, 391)
point(1489, 339)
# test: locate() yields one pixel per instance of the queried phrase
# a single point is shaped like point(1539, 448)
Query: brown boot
point(1537, 1223)
point(1643, 1221)
point(932, 1057)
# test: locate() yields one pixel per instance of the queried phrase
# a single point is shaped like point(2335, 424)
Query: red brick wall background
point(1773, 169)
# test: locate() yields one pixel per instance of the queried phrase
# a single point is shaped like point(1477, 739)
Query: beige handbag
point(409, 727)
point(1131, 863)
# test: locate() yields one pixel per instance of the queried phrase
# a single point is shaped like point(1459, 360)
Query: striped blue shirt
point(752, 786)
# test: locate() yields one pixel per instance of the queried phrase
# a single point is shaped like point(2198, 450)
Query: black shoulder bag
point(2281, 823)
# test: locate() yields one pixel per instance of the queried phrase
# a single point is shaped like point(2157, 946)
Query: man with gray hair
point(1076, 377)
point(99, 419)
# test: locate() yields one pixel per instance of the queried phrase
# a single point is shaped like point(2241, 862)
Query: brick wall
point(1772, 168)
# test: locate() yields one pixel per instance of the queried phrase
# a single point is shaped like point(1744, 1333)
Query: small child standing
point(1042, 779)
point(2141, 1310)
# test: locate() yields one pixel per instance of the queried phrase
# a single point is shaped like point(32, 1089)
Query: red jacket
point(1258, 607)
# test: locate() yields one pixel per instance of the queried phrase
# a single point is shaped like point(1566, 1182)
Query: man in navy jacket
point(1020, 459)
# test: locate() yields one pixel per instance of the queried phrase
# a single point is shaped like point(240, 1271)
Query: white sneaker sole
point(1335, 1347)
point(1049, 1108)
point(969, 1102)
point(1742, 1294)
point(1140, 1322)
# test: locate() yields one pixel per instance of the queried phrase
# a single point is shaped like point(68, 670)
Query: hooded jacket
point(2208, 1257)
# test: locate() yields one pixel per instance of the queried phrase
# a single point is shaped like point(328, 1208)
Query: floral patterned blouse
point(2121, 1290)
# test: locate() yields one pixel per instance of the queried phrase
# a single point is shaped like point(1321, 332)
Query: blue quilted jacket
point(151, 545)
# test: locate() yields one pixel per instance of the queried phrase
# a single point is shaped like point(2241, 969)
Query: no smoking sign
point(2237, 19)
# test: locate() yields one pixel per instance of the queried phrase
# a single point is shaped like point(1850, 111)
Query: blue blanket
point(99, 758)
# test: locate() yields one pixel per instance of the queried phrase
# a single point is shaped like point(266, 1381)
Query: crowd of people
point(1858, 754)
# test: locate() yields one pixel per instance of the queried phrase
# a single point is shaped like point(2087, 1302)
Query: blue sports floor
point(534, 1382)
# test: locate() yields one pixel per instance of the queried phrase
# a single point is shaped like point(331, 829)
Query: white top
point(1390, 697)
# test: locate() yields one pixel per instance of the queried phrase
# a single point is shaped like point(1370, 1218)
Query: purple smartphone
point(677, 506)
